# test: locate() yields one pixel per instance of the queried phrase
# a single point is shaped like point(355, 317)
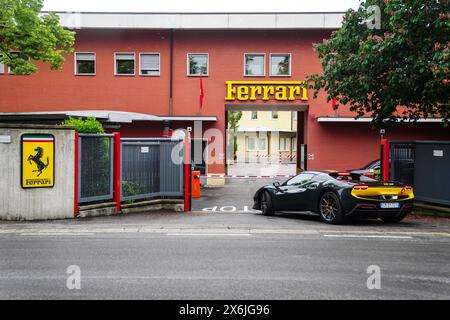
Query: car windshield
point(299, 179)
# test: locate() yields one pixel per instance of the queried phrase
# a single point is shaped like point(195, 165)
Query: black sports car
point(336, 196)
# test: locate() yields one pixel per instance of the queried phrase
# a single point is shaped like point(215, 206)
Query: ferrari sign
point(266, 90)
point(38, 165)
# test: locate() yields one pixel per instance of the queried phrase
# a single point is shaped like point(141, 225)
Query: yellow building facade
point(267, 136)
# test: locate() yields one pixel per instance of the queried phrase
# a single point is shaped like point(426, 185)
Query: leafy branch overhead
point(27, 36)
point(399, 71)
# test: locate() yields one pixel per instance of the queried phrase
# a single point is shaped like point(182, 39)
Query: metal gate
point(402, 162)
point(151, 168)
point(95, 162)
point(432, 172)
point(425, 165)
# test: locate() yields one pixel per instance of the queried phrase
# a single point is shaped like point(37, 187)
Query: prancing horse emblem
point(37, 160)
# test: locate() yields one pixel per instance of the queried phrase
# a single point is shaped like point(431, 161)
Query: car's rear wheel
point(395, 219)
point(330, 208)
point(266, 204)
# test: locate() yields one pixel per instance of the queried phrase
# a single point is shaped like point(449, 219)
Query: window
point(256, 144)
point(19, 55)
point(294, 144)
point(284, 144)
point(294, 115)
point(255, 64)
point(280, 64)
point(124, 64)
point(198, 64)
point(299, 180)
point(85, 63)
point(254, 115)
point(149, 64)
point(274, 115)
point(2, 66)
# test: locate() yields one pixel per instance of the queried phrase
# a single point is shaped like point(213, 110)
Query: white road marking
point(365, 236)
point(209, 234)
point(57, 234)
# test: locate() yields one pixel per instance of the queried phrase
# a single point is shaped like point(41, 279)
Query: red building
point(139, 74)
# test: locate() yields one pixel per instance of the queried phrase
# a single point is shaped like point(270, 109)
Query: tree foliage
point(88, 125)
point(37, 37)
point(397, 72)
point(233, 119)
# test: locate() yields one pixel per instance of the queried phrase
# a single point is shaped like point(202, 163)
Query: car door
point(293, 194)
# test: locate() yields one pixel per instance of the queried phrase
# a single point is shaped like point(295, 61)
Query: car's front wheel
point(330, 208)
point(266, 204)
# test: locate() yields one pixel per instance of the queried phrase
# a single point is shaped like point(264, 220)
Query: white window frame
point(115, 65)
point(159, 63)
point(251, 113)
point(290, 64)
point(2, 64)
point(187, 64)
point(256, 144)
point(75, 64)
point(264, 63)
point(287, 143)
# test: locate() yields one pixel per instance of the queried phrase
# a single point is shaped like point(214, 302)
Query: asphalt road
point(222, 266)
point(224, 253)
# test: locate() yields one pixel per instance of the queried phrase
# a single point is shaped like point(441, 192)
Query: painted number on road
point(227, 209)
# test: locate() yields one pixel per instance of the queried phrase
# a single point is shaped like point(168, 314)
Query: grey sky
point(200, 5)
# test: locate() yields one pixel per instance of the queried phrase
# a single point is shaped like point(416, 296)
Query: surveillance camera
point(189, 129)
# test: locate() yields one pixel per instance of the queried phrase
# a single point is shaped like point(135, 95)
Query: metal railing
point(95, 162)
point(151, 167)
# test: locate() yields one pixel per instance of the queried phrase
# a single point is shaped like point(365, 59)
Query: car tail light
point(369, 174)
point(367, 207)
point(360, 187)
point(343, 173)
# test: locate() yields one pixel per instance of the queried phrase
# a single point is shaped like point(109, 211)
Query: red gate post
point(117, 173)
point(75, 184)
point(385, 159)
point(187, 164)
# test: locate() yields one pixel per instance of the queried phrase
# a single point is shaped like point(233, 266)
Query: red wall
point(336, 146)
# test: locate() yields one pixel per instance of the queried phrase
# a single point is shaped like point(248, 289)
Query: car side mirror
point(276, 184)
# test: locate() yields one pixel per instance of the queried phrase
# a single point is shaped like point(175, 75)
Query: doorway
point(265, 140)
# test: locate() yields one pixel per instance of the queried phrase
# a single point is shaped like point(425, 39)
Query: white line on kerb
point(365, 236)
point(57, 234)
point(209, 234)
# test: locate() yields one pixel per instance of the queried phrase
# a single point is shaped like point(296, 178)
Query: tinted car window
point(300, 179)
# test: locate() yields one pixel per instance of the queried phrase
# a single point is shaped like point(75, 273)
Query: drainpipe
point(171, 74)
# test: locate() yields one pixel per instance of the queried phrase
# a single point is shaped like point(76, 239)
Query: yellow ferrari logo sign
point(38, 160)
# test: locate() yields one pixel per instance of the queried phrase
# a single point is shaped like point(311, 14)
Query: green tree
point(233, 123)
point(27, 36)
point(396, 72)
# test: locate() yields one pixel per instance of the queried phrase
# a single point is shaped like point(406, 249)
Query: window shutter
point(125, 56)
point(150, 62)
point(85, 56)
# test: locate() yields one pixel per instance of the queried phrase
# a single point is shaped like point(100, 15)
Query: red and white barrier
point(247, 176)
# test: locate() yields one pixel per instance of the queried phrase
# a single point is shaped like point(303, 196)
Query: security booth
point(425, 165)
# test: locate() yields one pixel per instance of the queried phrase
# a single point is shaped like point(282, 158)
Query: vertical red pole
point(117, 173)
point(187, 163)
point(385, 159)
point(75, 184)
